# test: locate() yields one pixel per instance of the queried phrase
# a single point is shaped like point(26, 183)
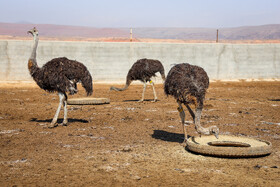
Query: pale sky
point(142, 13)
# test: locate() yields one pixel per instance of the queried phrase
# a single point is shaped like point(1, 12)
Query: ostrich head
point(33, 31)
point(214, 130)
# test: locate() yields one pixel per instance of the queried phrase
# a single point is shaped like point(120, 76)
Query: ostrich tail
point(128, 81)
point(87, 83)
point(162, 75)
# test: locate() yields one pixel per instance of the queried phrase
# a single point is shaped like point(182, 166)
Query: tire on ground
point(88, 101)
point(202, 145)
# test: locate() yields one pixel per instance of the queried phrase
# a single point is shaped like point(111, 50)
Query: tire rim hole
point(228, 144)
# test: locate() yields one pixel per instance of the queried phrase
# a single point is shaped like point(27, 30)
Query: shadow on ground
point(60, 120)
point(168, 136)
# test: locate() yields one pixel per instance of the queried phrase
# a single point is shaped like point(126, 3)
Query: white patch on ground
point(23, 160)
point(270, 123)
point(10, 131)
point(108, 128)
point(151, 110)
point(131, 108)
point(172, 111)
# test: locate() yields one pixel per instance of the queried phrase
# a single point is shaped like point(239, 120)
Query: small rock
point(257, 166)
point(126, 149)
point(180, 170)
point(136, 177)
point(274, 167)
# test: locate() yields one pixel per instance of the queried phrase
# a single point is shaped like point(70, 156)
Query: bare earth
point(126, 143)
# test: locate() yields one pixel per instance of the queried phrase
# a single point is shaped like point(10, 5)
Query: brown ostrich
point(58, 75)
point(143, 70)
point(188, 84)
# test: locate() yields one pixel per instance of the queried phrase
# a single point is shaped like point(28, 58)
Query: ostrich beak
point(29, 32)
point(217, 135)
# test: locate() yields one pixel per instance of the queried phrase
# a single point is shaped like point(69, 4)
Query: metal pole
point(217, 38)
point(130, 34)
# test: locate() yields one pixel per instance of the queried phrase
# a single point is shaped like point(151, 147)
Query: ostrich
point(188, 84)
point(58, 75)
point(143, 70)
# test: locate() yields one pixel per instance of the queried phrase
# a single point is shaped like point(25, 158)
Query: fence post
point(217, 38)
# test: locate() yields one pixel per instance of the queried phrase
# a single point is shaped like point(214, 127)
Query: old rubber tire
point(88, 101)
point(202, 145)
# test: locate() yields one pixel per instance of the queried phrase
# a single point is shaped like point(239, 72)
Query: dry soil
point(126, 143)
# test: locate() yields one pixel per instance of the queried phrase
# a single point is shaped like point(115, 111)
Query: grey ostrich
point(58, 75)
point(188, 84)
point(143, 70)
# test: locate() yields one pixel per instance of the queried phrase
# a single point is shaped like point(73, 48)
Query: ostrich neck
point(34, 49)
point(32, 63)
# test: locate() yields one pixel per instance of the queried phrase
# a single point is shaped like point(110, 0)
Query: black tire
point(88, 101)
point(206, 145)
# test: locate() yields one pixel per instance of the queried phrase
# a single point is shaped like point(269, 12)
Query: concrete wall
point(110, 62)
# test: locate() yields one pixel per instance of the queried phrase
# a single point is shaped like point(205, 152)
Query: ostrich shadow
point(274, 99)
point(60, 120)
point(168, 136)
point(136, 100)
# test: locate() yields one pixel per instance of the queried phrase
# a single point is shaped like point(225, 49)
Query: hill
point(263, 32)
point(48, 30)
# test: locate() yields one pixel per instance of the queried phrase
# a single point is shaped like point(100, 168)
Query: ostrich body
point(58, 75)
point(143, 70)
point(188, 84)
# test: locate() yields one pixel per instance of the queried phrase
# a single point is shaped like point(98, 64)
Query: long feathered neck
point(32, 63)
point(128, 81)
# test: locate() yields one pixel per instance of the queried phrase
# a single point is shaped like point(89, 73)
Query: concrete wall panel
point(111, 61)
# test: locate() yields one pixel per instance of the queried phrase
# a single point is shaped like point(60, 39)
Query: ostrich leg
point(61, 100)
point(182, 116)
point(144, 89)
point(65, 121)
point(190, 111)
point(154, 90)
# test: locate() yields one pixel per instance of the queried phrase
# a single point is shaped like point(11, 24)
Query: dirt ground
point(126, 143)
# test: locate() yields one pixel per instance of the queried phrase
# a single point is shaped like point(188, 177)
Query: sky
point(142, 13)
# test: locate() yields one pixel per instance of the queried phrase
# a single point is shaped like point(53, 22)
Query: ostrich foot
point(52, 125)
point(155, 100)
point(140, 101)
point(65, 123)
point(184, 144)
